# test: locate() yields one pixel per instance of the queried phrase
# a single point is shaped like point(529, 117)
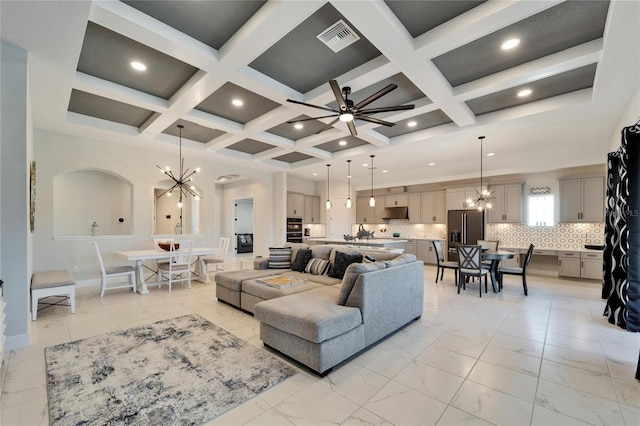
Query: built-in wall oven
point(294, 230)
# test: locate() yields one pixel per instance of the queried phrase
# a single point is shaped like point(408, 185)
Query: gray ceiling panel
point(558, 28)
point(219, 103)
point(293, 157)
point(211, 22)
point(107, 55)
point(107, 109)
point(250, 146)
point(302, 62)
point(334, 146)
point(423, 121)
point(288, 131)
point(570, 81)
point(193, 131)
point(421, 16)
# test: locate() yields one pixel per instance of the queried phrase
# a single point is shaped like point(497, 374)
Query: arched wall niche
point(84, 196)
point(167, 214)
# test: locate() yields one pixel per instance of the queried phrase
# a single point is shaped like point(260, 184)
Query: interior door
point(338, 220)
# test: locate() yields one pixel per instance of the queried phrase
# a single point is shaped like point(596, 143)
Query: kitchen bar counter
point(372, 242)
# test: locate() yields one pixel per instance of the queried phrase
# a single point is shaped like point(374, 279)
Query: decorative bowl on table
point(167, 246)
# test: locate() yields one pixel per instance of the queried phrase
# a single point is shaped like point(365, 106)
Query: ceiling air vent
point(338, 36)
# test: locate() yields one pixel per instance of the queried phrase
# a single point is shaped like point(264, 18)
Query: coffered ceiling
point(579, 60)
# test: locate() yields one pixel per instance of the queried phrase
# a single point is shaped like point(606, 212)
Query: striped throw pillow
point(318, 266)
point(279, 257)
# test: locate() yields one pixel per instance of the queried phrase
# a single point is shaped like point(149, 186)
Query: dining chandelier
point(372, 200)
point(348, 204)
point(181, 183)
point(483, 196)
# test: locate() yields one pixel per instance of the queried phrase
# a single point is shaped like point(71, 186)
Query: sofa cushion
point(351, 275)
point(233, 279)
point(312, 315)
point(295, 247)
point(317, 266)
point(401, 260)
point(342, 261)
point(321, 251)
point(303, 256)
point(319, 279)
point(279, 257)
point(263, 291)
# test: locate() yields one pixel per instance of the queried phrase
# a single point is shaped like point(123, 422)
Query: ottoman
point(229, 284)
point(253, 291)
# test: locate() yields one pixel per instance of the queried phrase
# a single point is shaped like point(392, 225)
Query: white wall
point(57, 154)
point(629, 118)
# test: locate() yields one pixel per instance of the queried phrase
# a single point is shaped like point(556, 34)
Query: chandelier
point(181, 183)
point(483, 196)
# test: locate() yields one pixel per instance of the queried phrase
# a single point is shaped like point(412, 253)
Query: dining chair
point(518, 271)
point(218, 260)
point(156, 246)
point(115, 271)
point(178, 269)
point(442, 264)
point(488, 245)
point(470, 265)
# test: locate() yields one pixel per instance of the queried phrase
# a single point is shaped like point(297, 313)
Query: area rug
point(183, 371)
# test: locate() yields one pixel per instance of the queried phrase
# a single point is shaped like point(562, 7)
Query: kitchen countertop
point(579, 250)
point(369, 242)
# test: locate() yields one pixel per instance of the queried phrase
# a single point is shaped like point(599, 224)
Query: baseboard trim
point(16, 342)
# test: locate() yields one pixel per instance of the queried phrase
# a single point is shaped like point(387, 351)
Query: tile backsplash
point(568, 236)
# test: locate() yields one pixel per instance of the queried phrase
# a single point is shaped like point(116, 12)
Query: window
point(540, 210)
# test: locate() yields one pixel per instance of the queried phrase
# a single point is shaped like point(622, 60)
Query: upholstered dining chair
point(470, 265)
point(178, 269)
point(218, 260)
point(518, 271)
point(442, 264)
point(488, 245)
point(115, 271)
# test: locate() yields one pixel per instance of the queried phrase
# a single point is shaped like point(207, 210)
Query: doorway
point(243, 226)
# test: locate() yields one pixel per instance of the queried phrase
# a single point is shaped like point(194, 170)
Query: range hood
point(396, 213)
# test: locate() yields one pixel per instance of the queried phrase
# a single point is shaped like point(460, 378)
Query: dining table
point(495, 256)
point(140, 256)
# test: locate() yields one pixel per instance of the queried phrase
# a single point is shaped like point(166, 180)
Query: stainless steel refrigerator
point(463, 227)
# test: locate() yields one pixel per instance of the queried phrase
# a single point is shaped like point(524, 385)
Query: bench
point(52, 283)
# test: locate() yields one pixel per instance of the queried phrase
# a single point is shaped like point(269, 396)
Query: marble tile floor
point(547, 359)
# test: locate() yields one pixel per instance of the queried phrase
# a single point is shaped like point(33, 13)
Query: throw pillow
point(368, 259)
point(302, 259)
point(343, 260)
point(351, 275)
point(279, 257)
point(317, 266)
point(248, 239)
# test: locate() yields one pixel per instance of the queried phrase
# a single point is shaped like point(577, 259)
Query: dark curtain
point(633, 292)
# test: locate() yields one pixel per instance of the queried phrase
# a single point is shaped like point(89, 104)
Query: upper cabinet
point(433, 207)
point(368, 214)
point(311, 209)
point(582, 199)
point(506, 203)
point(396, 200)
point(414, 208)
point(295, 205)
point(457, 198)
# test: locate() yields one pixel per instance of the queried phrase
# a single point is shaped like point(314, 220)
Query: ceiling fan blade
point(352, 128)
point(386, 109)
point(312, 106)
point(376, 95)
point(328, 126)
point(375, 120)
point(312, 118)
point(338, 94)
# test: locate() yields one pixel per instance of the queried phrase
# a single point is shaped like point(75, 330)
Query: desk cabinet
point(582, 200)
point(591, 265)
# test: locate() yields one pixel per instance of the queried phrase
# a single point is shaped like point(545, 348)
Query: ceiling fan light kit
point(348, 112)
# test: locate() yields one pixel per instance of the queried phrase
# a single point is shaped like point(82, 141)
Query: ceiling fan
point(349, 112)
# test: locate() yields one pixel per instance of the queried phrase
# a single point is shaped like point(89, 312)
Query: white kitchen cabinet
point(514, 262)
point(426, 252)
point(396, 200)
point(411, 246)
point(414, 208)
point(457, 198)
point(569, 264)
point(506, 204)
point(591, 265)
point(311, 209)
point(582, 199)
point(433, 207)
point(367, 214)
point(295, 205)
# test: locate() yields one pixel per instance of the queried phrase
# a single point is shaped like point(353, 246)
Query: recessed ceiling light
point(237, 102)
point(365, 165)
point(523, 93)
point(510, 44)
point(138, 66)
point(491, 154)
point(342, 143)
point(432, 164)
point(315, 174)
point(412, 124)
point(385, 171)
point(298, 126)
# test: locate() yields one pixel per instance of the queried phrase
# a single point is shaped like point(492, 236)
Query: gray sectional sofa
point(326, 320)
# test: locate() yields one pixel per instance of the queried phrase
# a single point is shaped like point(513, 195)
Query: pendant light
point(483, 196)
point(349, 203)
point(327, 205)
point(372, 200)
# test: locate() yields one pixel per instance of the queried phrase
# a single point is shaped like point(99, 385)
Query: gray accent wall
point(15, 146)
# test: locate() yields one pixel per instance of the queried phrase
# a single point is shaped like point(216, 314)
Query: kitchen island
point(373, 243)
